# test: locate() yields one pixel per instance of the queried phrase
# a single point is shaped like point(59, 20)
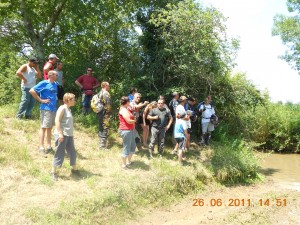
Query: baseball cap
point(52, 56)
point(182, 98)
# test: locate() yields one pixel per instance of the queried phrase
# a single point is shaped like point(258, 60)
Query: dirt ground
point(216, 211)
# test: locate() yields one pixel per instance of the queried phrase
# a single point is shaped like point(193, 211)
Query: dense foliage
point(158, 46)
point(288, 28)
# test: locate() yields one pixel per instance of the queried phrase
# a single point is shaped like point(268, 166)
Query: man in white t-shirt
point(206, 110)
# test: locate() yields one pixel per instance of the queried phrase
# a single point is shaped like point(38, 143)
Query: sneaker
point(129, 164)
point(124, 167)
point(181, 163)
point(43, 152)
point(53, 176)
point(49, 150)
point(75, 172)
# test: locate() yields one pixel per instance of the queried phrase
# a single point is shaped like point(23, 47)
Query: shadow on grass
point(139, 165)
point(84, 174)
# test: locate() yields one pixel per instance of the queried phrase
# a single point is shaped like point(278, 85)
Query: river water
point(281, 168)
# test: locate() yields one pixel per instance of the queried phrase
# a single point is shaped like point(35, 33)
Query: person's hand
point(146, 102)
point(204, 109)
point(167, 128)
point(156, 117)
point(61, 138)
point(45, 101)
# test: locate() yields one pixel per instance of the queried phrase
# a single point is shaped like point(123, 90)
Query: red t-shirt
point(123, 124)
point(87, 83)
point(45, 72)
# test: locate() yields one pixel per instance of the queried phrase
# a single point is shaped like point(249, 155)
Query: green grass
point(104, 193)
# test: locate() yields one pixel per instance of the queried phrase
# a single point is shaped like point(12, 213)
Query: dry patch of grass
point(103, 193)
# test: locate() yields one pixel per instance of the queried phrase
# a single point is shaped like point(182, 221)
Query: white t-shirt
point(207, 113)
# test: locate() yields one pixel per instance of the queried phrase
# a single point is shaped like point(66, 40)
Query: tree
point(288, 28)
point(190, 48)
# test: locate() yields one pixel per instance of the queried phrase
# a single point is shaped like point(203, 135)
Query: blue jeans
point(26, 104)
point(128, 142)
point(86, 101)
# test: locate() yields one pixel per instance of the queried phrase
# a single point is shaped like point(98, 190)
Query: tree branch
point(27, 22)
point(53, 18)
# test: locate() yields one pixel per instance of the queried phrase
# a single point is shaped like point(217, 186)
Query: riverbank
point(263, 208)
point(103, 193)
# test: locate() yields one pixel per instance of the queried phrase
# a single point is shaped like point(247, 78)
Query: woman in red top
point(126, 130)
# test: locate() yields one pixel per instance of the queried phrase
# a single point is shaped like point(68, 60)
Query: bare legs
point(47, 132)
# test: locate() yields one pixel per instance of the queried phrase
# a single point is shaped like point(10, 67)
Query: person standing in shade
point(64, 136)
point(49, 65)
point(28, 74)
point(126, 130)
point(161, 122)
point(104, 115)
point(206, 110)
point(87, 83)
point(60, 82)
point(46, 93)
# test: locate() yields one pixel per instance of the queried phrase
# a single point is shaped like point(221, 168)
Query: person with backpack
point(104, 115)
point(206, 111)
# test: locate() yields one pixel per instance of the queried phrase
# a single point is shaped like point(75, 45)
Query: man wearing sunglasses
point(87, 83)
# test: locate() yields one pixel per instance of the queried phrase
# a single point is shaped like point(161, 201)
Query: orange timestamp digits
point(217, 202)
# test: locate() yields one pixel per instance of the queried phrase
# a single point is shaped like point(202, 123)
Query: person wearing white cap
point(49, 65)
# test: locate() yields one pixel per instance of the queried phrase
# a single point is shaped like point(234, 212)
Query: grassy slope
point(104, 193)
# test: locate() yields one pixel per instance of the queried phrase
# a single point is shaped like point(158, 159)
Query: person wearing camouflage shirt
point(104, 115)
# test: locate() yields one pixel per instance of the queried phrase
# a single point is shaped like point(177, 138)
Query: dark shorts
point(181, 143)
point(60, 92)
point(141, 121)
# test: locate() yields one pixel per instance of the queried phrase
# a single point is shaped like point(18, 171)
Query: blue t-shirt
point(180, 126)
point(47, 90)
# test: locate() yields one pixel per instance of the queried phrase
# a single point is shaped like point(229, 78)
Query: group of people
point(180, 112)
point(50, 93)
point(156, 115)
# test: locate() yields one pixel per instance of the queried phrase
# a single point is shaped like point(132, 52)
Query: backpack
point(97, 102)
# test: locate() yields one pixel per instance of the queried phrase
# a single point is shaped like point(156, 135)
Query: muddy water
point(281, 167)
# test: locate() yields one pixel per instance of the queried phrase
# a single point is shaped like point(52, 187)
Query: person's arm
point(141, 105)
point(107, 102)
point(37, 97)
point(152, 116)
point(144, 115)
point(96, 84)
point(170, 121)
point(20, 72)
point(38, 71)
point(125, 114)
point(58, 118)
point(47, 68)
point(202, 109)
point(78, 84)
